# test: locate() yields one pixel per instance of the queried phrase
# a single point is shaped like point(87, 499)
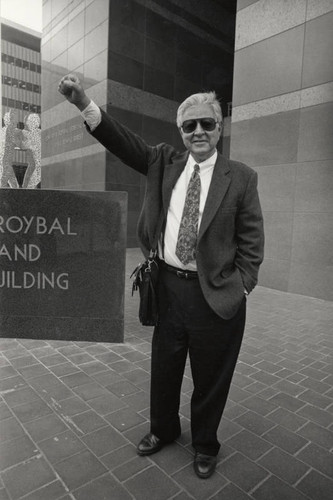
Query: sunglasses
point(207, 124)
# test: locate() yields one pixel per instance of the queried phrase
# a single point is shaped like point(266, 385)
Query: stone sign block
point(62, 264)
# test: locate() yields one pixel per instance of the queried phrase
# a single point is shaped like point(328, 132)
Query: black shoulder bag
point(145, 279)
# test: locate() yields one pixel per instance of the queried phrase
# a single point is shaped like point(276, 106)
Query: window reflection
point(13, 82)
point(20, 63)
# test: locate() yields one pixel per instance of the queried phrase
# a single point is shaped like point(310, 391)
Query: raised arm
point(118, 139)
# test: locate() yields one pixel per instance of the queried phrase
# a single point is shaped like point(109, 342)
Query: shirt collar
point(204, 165)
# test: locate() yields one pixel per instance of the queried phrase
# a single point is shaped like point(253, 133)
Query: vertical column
point(281, 126)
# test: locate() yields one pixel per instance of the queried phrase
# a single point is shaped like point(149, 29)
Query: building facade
point(20, 79)
point(137, 60)
point(271, 58)
point(282, 126)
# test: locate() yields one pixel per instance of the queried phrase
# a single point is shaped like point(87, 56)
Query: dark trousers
point(188, 325)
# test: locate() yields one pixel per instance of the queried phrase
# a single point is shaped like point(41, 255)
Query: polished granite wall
point(282, 126)
point(62, 264)
point(138, 59)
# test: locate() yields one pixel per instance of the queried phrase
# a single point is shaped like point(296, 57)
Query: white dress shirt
point(92, 116)
point(176, 207)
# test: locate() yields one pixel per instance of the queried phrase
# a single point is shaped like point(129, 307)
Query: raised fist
point(70, 87)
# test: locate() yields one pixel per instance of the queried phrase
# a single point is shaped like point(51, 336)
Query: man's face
point(201, 143)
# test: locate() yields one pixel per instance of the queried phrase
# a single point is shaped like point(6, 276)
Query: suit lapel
point(217, 190)
point(170, 177)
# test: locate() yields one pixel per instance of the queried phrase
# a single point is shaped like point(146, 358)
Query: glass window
point(33, 67)
point(21, 84)
point(25, 64)
point(3, 57)
point(37, 89)
point(14, 82)
point(10, 59)
point(28, 86)
point(39, 69)
point(18, 62)
point(18, 104)
point(11, 103)
point(4, 101)
point(25, 106)
point(7, 80)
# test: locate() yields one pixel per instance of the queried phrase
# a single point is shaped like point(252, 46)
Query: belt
point(180, 273)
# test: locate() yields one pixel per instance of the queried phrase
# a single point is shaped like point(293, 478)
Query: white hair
point(201, 98)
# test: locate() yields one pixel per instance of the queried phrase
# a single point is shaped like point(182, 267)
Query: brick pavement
point(71, 413)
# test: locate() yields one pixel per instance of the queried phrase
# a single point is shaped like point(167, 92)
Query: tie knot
point(196, 169)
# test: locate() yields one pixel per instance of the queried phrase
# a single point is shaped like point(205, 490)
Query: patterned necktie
point(188, 229)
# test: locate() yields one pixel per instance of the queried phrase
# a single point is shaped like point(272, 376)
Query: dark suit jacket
point(231, 238)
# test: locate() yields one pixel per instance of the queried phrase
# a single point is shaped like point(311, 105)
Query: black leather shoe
point(149, 444)
point(204, 465)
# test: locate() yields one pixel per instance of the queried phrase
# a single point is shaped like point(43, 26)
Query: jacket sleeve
point(123, 143)
point(250, 235)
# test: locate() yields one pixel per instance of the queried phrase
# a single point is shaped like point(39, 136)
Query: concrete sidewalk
point(71, 413)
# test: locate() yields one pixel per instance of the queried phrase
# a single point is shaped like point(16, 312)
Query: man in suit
point(203, 213)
